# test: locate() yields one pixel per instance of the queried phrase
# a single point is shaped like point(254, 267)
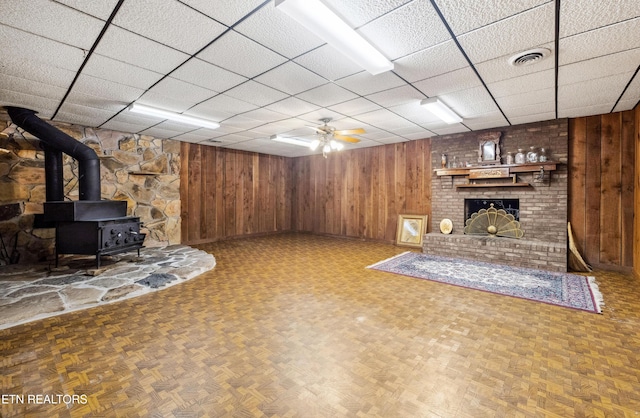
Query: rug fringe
point(388, 259)
point(597, 295)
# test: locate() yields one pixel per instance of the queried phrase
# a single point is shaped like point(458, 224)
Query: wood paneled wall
point(636, 189)
point(601, 187)
point(360, 193)
point(228, 193)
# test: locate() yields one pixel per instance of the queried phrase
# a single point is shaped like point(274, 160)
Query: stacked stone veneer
point(142, 170)
point(543, 207)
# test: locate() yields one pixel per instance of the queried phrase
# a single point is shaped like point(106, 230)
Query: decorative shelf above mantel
point(503, 175)
point(513, 168)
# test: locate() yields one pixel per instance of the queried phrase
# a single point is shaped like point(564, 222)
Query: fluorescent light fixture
point(435, 106)
point(319, 19)
point(292, 141)
point(189, 120)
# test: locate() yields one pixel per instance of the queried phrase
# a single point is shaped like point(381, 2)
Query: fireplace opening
point(511, 206)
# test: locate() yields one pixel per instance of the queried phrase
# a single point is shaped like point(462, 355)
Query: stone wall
point(543, 207)
point(142, 170)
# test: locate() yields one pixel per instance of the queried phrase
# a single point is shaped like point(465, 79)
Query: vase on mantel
point(542, 155)
point(509, 158)
point(532, 156)
point(520, 157)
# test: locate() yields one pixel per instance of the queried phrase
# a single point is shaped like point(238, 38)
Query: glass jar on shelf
point(509, 158)
point(520, 157)
point(542, 155)
point(532, 155)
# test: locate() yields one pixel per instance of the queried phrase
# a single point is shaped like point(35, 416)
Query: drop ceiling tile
point(622, 62)
point(457, 80)
point(292, 106)
point(170, 23)
point(265, 115)
point(430, 62)
point(416, 113)
point(396, 96)
point(601, 91)
point(355, 107)
point(100, 9)
point(315, 116)
point(364, 83)
point(327, 95)
point(600, 42)
point(328, 62)
point(181, 91)
point(626, 104)
point(452, 129)
point(233, 138)
point(140, 51)
point(278, 32)
point(190, 137)
point(424, 134)
point(631, 96)
point(528, 109)
point(37, 73)
point(243, 122)
point(87, 115)
point(44, 18)
point(519, 120)
point(220, 107)
point(518, 33)
point(269, 129)
point(226, 11)
point(527, 98)
point(384, 118)
point(30, 87)
point(122, 126)
point(256, 93)
point(207, 75)
point(407, 29)
point(580, 16)
point(241, 55)
point(470, 102)
point(393, 139)
point(159, 133)
point(108, 90)
point(498, 69)
point(527, 83)
point(23, 48)
point(290, 78)
point(464, 16)
point(576, 112)
point(120, 72)
point(358, 13)
point(44, 106)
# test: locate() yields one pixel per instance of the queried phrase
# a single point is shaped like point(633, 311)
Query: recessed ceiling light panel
point(529, 57)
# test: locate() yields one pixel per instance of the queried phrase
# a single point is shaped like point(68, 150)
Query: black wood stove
point(88, 226)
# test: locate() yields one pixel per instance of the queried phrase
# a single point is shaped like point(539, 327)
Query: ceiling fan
point(327, 136)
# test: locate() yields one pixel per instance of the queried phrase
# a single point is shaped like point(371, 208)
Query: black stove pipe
point(55, 139)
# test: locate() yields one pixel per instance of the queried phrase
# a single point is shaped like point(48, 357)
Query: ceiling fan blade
point(357, 131)
point(318, 129)
point(346, 138)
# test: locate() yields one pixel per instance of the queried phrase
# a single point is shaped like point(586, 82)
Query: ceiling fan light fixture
point(324, 23)
point(314, 144)
point(289, 140)
point(177, 117)
point(441, 110)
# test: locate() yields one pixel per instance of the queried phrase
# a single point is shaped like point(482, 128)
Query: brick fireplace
point(542, 206)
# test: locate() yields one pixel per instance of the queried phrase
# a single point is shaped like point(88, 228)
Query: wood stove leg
point(97, 261)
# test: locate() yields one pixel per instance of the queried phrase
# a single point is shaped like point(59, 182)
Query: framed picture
point(411, 229)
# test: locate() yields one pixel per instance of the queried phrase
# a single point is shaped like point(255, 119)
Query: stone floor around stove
point(34, 291)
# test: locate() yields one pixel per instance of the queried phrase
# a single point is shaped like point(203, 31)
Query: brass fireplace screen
point(493, 222)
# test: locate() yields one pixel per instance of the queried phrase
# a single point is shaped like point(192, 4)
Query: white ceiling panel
point(139, 51)
point(207, 75)
point(364, 83)
point(600, 42)
point(521, 32)
point(291, 78)
point(120, 72)
point(292, 106)
point(327, 62)
point(464, 16)
point(262, 73)
point(241, 55)
point(168, 22)
point(407, 29)
point(226, 11)
point(278, 32)
point(43, 18)
point(457, 80)
point(101, 9)
point(256, 93)
point(580, 16)
point(327, 95)
point(355, 106)
point(436, 60)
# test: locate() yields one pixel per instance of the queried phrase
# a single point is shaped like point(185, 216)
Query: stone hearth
point(36, 291)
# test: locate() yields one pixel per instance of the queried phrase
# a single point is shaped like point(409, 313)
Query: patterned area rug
point(563, 289)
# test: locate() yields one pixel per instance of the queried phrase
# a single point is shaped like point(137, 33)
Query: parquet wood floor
point(294, 326)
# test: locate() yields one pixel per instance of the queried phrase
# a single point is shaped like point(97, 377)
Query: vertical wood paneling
point(360, 193)
point(601, 162)
point(228, 193)
point(636, 192)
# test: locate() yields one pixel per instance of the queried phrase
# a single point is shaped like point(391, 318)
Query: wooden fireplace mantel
point(502, 175)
